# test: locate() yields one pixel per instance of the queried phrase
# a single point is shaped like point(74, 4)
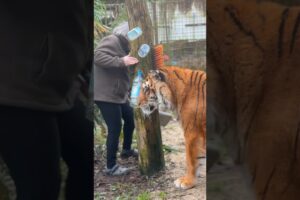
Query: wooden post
point(151, 158)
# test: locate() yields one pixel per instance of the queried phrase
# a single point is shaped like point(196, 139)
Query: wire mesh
point(180, 25)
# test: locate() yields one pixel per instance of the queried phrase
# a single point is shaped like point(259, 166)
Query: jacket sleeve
point(105, 54)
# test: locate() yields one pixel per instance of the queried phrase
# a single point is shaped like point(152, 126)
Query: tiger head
point(155, 93)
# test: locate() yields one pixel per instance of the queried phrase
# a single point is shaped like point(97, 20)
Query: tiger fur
point(254, 90)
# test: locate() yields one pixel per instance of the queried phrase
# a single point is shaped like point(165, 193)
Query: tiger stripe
point(231, 11)
point(295, 31)
point(198, 94)
point(191, 80)
point(284, 16)
point(196, 77)
point(296, 142)
point(179, 77)
point(204, 97)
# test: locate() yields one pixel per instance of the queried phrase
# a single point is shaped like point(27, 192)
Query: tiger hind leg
point(192, 143)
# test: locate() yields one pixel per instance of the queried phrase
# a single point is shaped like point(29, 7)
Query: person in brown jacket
point(44, 47)
point(111, 94)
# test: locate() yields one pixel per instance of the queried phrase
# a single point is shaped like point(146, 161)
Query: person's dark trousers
point(77, 151)
point(113, 114)
point(31, 144)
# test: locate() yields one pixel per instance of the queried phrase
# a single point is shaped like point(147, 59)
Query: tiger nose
point(153, 98)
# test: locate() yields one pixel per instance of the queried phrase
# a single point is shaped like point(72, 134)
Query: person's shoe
point(129, 153)
point(117, 170)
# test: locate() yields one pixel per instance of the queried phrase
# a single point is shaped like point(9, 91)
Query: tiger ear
point(158, 75)
point(161, 76)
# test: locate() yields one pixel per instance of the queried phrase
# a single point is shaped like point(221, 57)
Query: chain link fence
point(180, 25)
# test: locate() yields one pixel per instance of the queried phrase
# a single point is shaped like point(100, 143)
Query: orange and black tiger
point(184, 91)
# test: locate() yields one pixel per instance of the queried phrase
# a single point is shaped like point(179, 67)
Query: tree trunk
point(151, 158)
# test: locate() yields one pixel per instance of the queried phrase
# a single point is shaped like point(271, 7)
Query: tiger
point(254, 91)
point(183, 91)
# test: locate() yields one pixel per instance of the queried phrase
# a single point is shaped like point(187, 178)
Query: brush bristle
point(159, 56)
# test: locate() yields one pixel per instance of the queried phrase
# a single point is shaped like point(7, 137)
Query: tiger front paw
point(185, 183)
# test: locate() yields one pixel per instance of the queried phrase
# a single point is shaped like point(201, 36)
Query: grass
point(128, 196)
point(127, 192)
point(124, 197)
point(162, 195)
point(169, 149)
point(98, 196)
point(143, 196)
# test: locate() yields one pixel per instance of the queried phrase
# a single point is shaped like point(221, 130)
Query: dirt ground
point(160, 186)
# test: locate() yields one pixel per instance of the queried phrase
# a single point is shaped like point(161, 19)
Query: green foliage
point(99, 10)
point(120, 18)
point(144, 196)
point(97, 115)
point(162, 195)
point(99, 29)
point(169, 149)
point(98, 196)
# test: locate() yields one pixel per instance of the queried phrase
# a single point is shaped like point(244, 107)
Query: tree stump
point(151, 158)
